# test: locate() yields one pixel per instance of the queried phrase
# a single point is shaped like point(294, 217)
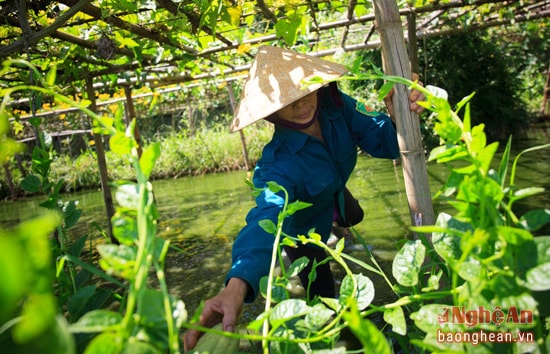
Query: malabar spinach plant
point(149, 318)
point(492, 262)
point(477, 271)
point(75, 288)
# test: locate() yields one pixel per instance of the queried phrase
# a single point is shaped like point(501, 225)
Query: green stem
point(265, 327)
point(173, 342)
point(143, 259)
point(407, 300)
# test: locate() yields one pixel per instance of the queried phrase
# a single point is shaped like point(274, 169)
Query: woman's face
point(301, 111)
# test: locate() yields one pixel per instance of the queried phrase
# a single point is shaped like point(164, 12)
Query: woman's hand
point(225, 307)
point(413, 98)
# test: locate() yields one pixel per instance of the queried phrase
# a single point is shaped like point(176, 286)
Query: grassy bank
point(182, 154)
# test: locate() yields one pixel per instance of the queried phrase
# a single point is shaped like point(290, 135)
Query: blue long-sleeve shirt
point(311, 171)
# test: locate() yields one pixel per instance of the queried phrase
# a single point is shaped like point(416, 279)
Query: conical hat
point(275, 81)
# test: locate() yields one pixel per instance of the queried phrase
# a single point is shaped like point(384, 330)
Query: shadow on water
point(202, 215)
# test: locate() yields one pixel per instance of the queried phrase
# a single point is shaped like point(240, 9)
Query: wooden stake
point(9, 180)
point(130, 114)
point(102, 164)
point(241, 134)
point(396, 63)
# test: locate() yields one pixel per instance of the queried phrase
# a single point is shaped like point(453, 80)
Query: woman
point(312, 154)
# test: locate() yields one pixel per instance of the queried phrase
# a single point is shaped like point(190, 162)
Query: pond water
point(202, 215)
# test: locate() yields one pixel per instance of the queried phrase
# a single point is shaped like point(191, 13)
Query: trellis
point(223, 60)
point(227, 55)
point(222, 57)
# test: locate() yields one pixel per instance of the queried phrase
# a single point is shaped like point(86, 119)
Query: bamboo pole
point(396, 63)
point(545, 106)
point(9, 180)
point(413, 41)
point(241, 134)
point(102, 164)
point(130, 114)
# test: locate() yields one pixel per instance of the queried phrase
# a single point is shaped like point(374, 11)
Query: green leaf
point(36, 232)
point(274, 186)
point(340, 245)
point(97, 321)
point(268, 226)
point(385, 89)
point(105, 343)
point(118, 260)
point(503, 167)
point(125, 228)
point(71, 213)
point(127, 195)
point(318, 316)
point(278, 290)
point(135, 347)
point(396, 318)
point(407, 263)
point(288, 310)
point(9, 147)
point(94, 270)
point(127, 5)
point(288, 242)
point(453, 183)
point(364, 290)
point(446, 244)
point(429, 318)
point(233, 15)
point(332, 303)
point(148, 159)
point(449, 130)
point(369, 335)
point(31, 184)
point(58, 186)
point(39, 311)
point(543, 249)
point(257, 323)
point(295, 206)
point(533, 220)
point(538, 278)
point(151, 309)
point(288, 28)
point(527, 192)
point(297, 266)
point(513, 235)
point(471, 270)
point(128, 42)
point(14, 284)
point(445, 153)
point(478, 139)
point(35, 121)
point(55, 339)
point(103, 125)
point(49, 203)
point(46, 139)
point(526, 256)
point(51, 75)
point(121, 144)
point(433, 282)
point(79, 300)
point(508, 293)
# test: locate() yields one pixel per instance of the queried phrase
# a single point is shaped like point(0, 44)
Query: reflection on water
point(202, 215)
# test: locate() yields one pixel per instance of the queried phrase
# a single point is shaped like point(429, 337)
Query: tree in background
point(505, 68)
point(470, 62)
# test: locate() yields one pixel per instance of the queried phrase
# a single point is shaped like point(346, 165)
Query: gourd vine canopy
point(165, 42)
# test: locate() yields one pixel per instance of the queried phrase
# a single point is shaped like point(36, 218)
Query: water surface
point(202, 215)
